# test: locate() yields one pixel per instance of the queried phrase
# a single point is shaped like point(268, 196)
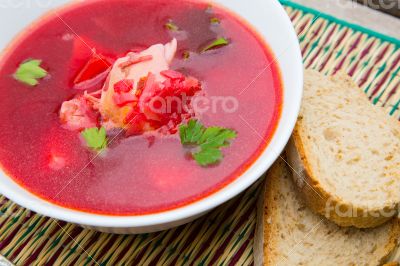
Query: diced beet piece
point(125, 85)
point(174, 75)
point(131, 116)
point(137, 122)
point(150, 87)
point(121, 99)
point(152, 114)
point(141, 84)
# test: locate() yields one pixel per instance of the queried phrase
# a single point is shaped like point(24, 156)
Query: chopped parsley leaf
point(207, 141)
point(95, 138)
point(29, 72)
point(215, 21)
point(171, 26)
point(215, 44)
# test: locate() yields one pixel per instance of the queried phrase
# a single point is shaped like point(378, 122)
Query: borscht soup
point(121, 107)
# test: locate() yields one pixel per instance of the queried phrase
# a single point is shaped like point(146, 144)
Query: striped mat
point(224, 236)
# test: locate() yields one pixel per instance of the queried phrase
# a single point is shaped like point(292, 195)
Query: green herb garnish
point(208, 157)
point(216, 44)
point(95, 138)
point(207, 142)
point(171, 26)
point(29, 72)
point(215, 21)
point(186, 55)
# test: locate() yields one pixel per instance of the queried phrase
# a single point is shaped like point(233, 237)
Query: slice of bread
point(294, 235)
point(345, 153)
point(392, 264)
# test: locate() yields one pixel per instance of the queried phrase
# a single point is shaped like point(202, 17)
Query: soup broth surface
point(135, 175)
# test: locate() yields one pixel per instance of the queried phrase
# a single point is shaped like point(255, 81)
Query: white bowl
point(272, 23)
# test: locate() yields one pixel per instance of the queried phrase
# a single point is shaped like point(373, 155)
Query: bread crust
point(271, 233)
point(392, 264)
point(393, 243)
point(321, 201)
point(269, 215)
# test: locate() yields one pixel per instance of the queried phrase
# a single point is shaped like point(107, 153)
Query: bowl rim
point(193, 209)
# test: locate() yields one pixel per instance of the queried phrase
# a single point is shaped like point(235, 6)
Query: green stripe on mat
point(341, 22)
point(225, 235)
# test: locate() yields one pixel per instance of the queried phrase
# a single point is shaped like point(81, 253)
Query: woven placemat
point(224, 236)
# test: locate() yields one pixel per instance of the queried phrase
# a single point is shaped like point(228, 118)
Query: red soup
point(132, 107)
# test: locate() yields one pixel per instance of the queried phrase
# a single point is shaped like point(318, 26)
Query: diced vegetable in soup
point(137, 108)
